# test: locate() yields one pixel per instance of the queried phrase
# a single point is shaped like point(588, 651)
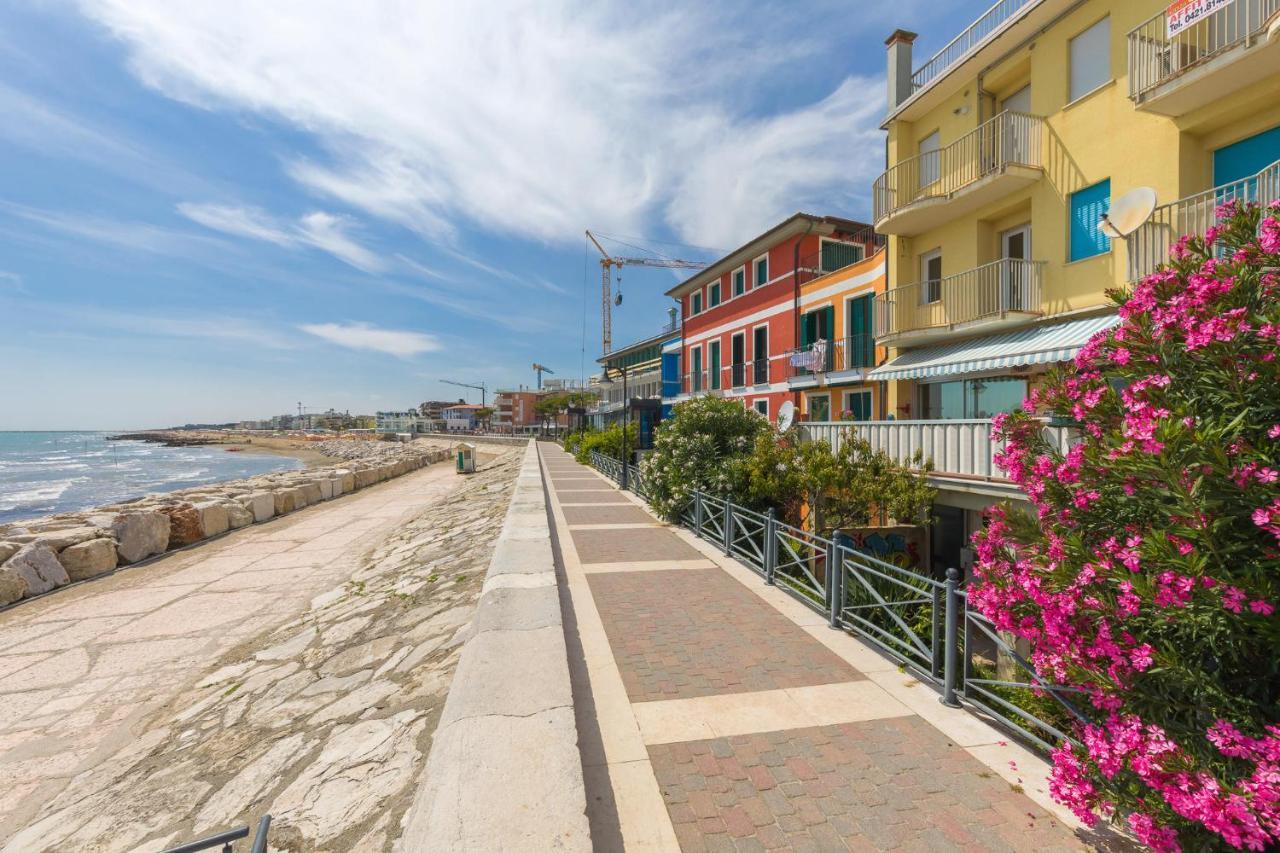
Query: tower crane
point(540, 369)
point(608, 261)
point(480, 387)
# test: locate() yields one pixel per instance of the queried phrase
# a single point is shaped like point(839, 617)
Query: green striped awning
point(1037, 345)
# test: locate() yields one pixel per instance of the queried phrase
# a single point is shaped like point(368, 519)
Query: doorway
point(1015, 290)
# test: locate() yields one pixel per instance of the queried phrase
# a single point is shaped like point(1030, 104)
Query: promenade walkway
point(715, 713)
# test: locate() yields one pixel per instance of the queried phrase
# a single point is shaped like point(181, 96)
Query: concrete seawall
point(504, 771)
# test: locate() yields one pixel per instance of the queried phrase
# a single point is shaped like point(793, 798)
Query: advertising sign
point(1186, 13)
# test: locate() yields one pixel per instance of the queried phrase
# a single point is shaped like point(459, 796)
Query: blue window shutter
point(1087, 207)
point(1246, 158)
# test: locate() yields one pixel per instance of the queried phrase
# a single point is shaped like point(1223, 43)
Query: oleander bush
point(607, 441)
point(1148, 575)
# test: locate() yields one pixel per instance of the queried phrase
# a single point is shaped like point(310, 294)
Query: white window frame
point(695, 308)
point(719, 284)
point(755, 263)
point(755, 404)
point(809, 404)
point(742, 269)
point(925, 258)
point(742, 333)
point(935, 165)
point(845, 395)
point(768, 339)
point(1107, 78)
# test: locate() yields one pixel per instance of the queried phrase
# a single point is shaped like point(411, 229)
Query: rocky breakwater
point(40, 555)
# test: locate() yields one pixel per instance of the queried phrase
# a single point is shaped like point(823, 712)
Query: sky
point(216, 211)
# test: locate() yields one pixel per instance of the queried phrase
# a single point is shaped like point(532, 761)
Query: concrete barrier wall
point(504, 771)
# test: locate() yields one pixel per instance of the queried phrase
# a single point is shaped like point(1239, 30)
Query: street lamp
point(607, 382)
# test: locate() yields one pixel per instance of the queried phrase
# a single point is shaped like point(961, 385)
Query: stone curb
point(504, 771)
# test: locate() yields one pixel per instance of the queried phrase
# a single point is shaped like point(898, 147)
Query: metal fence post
point(834, 598)
point(770, 545)
point(949, 669)
point(936, 642)
point(727, 527)
point(697, 513)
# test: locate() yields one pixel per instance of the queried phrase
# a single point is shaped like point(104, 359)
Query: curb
point(504, 771)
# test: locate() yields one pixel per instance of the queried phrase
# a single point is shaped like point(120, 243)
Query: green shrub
point(607, 442)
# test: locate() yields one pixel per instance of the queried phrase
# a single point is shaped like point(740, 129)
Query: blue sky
point(213, 211)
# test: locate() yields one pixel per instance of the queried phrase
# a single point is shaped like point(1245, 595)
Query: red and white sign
point(1186, 13)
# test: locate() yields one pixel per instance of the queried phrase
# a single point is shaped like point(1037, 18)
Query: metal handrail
point(963, 44)
point(1194, 215)
point(991, 290)
point(1156, 57)
point(225, 839)
point(848, 353)
point(1008, 139)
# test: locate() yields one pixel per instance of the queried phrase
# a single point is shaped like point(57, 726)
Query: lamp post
point(607, 382)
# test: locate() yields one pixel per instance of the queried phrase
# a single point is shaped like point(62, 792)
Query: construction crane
point(481, 388)
point(540, 369)
point(608, 261)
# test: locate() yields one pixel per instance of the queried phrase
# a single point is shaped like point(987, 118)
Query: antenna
point(786, 416)
point(1128, 213)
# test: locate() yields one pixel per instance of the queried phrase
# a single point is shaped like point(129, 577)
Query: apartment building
point(1003, 152)
point(741, 314)
point(640, 398)
point(515, 410)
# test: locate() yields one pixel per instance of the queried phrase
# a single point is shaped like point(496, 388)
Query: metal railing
point(225, 839)
point(1155, 57)
point(920, 622)
point(1194, 215)
point(837, 255)
point(1008, 139)
point(961, 45)
point(991, 290)
point(957, 448)
point(851, 353)
point(607, 465)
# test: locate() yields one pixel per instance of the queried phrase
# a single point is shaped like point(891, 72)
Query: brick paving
point(616, 546)
point(607, 514)
point(894, 784)
point(698, 632)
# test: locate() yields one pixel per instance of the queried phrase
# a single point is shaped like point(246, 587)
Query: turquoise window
point(1087, 207)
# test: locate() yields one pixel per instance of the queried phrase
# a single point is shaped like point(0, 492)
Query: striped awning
point(1037, 345)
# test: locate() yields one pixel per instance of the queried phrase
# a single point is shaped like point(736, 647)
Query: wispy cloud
point(318, 229)
point(119, 233)
point(530, 117)
point(362, 336)
point(11, 281)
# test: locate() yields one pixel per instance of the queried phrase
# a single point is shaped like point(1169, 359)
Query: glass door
point(1015, 245)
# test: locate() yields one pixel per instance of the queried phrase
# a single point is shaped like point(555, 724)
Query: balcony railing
point(1149, 245)
point(959, 449)
point(1009, 139)
point(851, 353)
point(959, 47)
point(1155, 57)
point(836, 256)
point(990, 291)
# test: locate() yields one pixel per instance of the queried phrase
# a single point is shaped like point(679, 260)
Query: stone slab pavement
point(95, 675)
point(718, 714)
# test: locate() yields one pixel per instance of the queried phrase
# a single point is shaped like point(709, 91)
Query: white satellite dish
point(1128, 212)
point(786, 415)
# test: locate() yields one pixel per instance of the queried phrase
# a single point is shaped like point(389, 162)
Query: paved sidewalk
point(716, 713)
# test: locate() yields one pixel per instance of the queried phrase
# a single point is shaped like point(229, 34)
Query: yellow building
point(838, 351)
point(1003, 152)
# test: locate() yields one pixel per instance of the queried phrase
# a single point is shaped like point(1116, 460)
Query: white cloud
point(318, 229)
point(328, 232)
point(240, 221)
point(362, 336)
point(529, 117)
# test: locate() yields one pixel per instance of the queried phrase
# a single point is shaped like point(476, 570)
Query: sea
point(46, 472)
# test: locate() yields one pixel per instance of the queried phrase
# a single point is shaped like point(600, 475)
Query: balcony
point(844, 360)
point(1174, 74)
point(960, 46)
point(960, 449)
point(1149, 245)
point(994, 159)
point(994, 296)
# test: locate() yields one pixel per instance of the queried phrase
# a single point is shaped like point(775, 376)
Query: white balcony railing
point(961, 45)
point(1149, 245)
point(959, 449)
point(1009, 139)
point(990, 291)
point(1155, 57)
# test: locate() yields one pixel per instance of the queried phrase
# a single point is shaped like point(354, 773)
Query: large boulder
point(213, 518)
point(58, 539)
point(140, 535)
point(326, 488)
point(38, 565)
point(261, 504)
point(184, 524)
point(88, 559)
point(237, 515)
point(8, 549)
point(312, 492)
point(348, 480)
point(285, 501)
point(12, 586)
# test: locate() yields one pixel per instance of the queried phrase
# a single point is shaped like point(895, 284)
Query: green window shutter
point(762, 272)
point(807, 323)
point(828, 326)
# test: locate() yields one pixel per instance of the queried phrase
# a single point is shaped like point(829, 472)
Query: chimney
point(899, 45)
point(671, 319)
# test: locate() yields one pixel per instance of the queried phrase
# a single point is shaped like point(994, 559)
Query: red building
point(741, 314)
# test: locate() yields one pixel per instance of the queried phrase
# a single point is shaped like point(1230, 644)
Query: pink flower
point(1262, 608)
point(1233, 599)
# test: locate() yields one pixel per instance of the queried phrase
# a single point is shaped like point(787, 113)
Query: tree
point(1148, 576)
point(485, 416)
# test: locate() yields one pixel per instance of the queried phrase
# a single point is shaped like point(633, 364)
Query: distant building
point(461, 417)
point(397, 421)
point(645, 387)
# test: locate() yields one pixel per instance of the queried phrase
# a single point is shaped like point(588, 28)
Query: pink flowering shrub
point(1149, 575)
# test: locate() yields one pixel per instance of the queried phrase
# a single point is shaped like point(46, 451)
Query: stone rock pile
point(37, 556)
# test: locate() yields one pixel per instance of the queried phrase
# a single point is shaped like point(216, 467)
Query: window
point(739, 282)
point(860, 345)
point(695, 304)
point(972, 398)
point(762, 271)
point(820, 408)
point(1087, 207)
point(857, 405)
point(695, 383)
point(931, 277)
point(713, 367)
point(1019, 101)
point(1090, 59)
point(713, 295)
point(760, 352)
point(837, 256)
point(762, 406)
point(738, 359)
point(929, 158)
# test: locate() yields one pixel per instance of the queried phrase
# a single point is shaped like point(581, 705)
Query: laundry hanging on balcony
point(1037, 345)
point(813, 359)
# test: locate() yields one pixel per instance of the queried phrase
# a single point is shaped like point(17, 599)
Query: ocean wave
point(40, 494)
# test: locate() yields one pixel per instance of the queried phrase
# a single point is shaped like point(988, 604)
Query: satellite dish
point(1128, 212)
point(786, 415)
